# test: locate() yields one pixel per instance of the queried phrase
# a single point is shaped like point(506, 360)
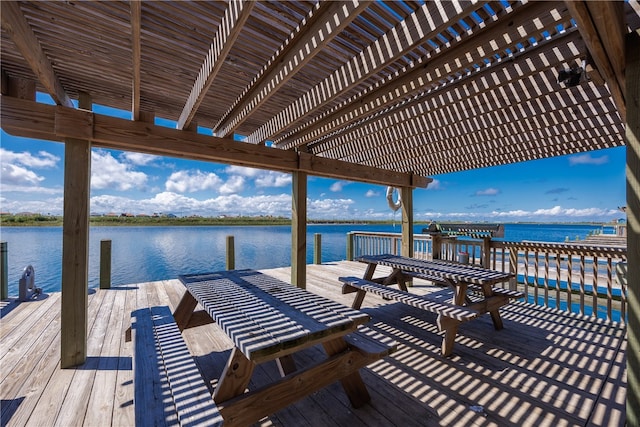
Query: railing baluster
point(546, 278)
point(558, 279)
point(569, 282)
point(609, 289)
point(594, 287)
point(526, 275)
point(582, 290)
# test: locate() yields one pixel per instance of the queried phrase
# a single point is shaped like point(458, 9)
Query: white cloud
point(372, 193)
point(262, 178)
point(108, 172)
point(338, 186)
point(234, 184)
point(42, 160)
point(18, 175)
point(242, 171)
point(588, 159)
point(169, 202)
point(273, 179)
point(139, 159)
point(435, 185)
point(488, 192)
point(191, 181)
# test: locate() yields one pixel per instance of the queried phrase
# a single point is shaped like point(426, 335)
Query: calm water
point(141, 254)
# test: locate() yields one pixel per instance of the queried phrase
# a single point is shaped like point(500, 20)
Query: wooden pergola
point(386, 92)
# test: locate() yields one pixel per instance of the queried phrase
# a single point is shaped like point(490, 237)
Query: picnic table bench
point(473, 289)
point(267, 320)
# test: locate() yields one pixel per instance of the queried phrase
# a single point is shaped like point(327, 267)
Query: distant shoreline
point(7, 220)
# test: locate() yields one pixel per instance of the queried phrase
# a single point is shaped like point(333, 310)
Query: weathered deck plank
point(544, 368)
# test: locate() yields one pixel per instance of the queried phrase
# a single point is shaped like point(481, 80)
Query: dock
point(545, 368)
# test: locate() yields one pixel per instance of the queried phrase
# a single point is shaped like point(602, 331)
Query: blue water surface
point(141, 254)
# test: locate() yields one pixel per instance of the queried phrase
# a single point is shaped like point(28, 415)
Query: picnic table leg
point(184, 310)
point(398, 277)
point(495, 314)
point(450, 328)
point(235, 377)
point(371, 268)
point(353, 385)
point(357, 302)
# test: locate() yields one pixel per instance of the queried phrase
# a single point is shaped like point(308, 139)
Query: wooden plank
point(15, 24)
point(136, 28)
point(102, 399)
point(123, 408)
point(51, 384)
point(235, 16)
point(25, 349)
point(76, 401)
point(325, 23)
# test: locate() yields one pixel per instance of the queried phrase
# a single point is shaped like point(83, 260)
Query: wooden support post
point(75, 250)
point(299, 230)
point(231, 253)
point(486, 252)
point(105, 264)
point(632, 134)
point(436, 246)
point(4, 271)
point(407, 222)
point(317, 248)
point(350, 246)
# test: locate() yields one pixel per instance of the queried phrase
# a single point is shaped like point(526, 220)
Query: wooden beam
point(330, 168)
point(235, 16)
point(601, 37)
point(15, 24)
point(75, 249)
point(136, 24)
point(299, 230)
point(35, 120)
point(632, 90)
point(325, 23)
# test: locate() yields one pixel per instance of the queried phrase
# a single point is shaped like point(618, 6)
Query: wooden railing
point(569, 276)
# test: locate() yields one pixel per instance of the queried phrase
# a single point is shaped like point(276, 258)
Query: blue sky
point(582, 187)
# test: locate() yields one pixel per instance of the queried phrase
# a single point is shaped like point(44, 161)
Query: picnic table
point(473, 289)
point(268, 319)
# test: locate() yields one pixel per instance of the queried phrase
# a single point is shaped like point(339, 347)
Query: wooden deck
point(544, 368)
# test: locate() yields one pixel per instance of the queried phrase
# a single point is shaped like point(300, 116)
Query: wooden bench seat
point(499, 291)
point(169, 389)
point(474, 288)
point(449, 315)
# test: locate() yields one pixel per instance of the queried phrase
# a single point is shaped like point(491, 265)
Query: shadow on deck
point(544, 368)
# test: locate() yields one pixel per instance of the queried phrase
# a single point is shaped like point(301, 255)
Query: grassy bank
point(52, 221)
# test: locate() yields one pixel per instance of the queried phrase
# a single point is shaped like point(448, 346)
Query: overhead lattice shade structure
point(423, 88)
